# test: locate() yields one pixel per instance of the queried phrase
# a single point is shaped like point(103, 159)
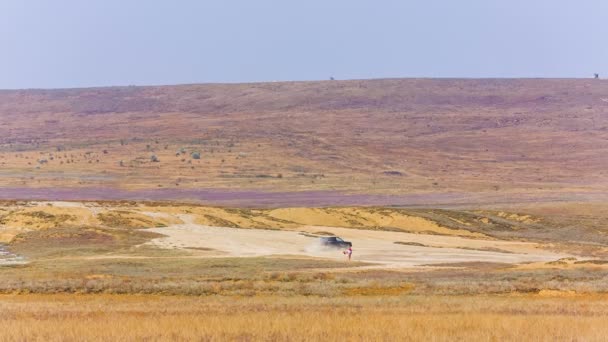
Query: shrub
point(196, 155)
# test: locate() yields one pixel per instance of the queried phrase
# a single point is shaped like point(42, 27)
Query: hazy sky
point(75, 43)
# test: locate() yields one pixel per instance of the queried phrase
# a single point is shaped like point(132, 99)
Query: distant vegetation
point(371, 137)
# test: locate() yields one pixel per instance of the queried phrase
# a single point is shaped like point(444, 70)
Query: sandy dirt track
point(377, 247)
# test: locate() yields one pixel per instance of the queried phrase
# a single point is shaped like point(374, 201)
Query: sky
point(84, 43)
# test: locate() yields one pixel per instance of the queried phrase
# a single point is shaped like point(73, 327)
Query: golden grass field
point(90, 272)
point(362, 318)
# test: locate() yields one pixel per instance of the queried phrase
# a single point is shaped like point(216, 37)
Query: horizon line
point(297, 81)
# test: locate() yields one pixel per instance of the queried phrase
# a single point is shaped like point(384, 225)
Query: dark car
point(335, 242)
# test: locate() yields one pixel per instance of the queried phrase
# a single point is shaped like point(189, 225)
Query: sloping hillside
point(423, 141)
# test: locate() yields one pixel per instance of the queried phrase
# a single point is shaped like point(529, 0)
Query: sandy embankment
point(376, 247)
point(383, 248)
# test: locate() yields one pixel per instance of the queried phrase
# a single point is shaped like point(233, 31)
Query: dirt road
point(377, 247)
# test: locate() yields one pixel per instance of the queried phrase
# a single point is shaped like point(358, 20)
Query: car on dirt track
point(335, 242)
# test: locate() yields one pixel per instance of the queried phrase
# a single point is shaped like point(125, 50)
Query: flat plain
point(146, 270)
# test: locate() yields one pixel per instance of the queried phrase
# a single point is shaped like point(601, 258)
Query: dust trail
point(317, 249)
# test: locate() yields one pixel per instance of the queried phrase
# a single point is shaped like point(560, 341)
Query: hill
point(393, 141)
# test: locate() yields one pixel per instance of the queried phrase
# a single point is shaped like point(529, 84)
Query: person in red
point(349, 252)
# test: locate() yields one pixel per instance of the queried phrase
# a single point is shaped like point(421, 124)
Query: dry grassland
point(388, 318)
point(498, 140)
point(90, 275)
point(517, 167)
point(16, 217)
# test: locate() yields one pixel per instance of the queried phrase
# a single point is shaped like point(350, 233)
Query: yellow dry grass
point(211, 216)
point(350, 217)
point(364, 218)
point(45, 215)
point(517, 217)
point(42, 216)
point(130, 218)
point(122, 318)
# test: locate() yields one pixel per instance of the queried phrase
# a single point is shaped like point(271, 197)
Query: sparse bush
point(196, 155)
point(154, 158)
